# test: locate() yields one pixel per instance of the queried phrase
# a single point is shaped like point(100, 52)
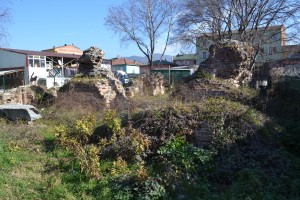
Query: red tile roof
point(41, 53)
point(124, 61)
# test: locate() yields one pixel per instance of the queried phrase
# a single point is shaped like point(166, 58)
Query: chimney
point(65, 44)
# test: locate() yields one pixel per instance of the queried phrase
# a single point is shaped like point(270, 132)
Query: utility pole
point(169, 74)
point(3, 79)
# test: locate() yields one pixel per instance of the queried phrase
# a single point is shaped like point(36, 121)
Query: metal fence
point(174, 76)
point(290, 86)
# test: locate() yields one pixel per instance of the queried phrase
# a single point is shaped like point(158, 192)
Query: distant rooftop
point(124, 61)
point(66, 49)
point(163, 62)
point(185, 57)
point(41, 53)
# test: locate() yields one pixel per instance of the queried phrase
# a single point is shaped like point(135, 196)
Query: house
point(126, 65)
point(293, 59)
point(291, 55)
point(271, 45)
point(43, 68)
point(185, 59)
point(66, 49)
point(157, 64)
point(106, 63)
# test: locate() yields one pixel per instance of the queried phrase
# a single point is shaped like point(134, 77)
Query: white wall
point(131, 69)
point(106, 66)
point(60, 81)
point(38, 71)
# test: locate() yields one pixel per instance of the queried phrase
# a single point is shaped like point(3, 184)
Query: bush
point(185, 168)
point(76, 138)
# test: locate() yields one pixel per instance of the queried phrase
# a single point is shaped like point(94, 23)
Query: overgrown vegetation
point(165, 147)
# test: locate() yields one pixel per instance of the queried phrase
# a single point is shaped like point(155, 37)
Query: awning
point(2, 73)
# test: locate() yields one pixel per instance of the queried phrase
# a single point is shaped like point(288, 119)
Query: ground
point(225, 146)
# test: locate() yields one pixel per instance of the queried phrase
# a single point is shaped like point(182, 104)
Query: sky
point(38, 25)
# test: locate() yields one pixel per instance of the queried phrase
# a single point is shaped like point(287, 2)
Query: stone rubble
point(152, 84)
point(20, 95)
point(104, 82)
point(230, 59)
point(90, 59)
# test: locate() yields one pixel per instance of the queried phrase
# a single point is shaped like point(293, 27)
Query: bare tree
point(143, 22)
point(4, 19)
point(251, 19)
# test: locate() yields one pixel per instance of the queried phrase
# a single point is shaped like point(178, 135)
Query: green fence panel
point(176, 75)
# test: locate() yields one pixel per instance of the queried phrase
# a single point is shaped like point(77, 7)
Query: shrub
point(185, 168)
point(112, 121)
point(129, 144)
point(75, 138)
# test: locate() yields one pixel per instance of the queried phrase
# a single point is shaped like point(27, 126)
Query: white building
point(43, 68)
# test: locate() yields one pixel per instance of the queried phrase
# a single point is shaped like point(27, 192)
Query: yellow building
point(66, 49)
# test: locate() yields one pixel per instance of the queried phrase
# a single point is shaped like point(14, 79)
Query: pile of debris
point(95, 79)
point(152, 84)
point(20, 95)
point(90, 60)
point(231, 60)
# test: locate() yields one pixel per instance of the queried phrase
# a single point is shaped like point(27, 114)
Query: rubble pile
point(109, 87)
point(90, 60)
point(152, 84)
point(230, 59)
point(95, 79)
point(20, 95)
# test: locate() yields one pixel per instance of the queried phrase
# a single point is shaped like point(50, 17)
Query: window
point(272, 50)
point(204, 55)
point(274, 38)
point(42, 63)
point(30, 62)
point(37, 61)
point(204, 43)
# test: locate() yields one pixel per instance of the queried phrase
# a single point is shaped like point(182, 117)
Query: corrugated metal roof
point(41, 53)
point(163, 62)
point(10, 71)
point(160, 63)
point(185, 57)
